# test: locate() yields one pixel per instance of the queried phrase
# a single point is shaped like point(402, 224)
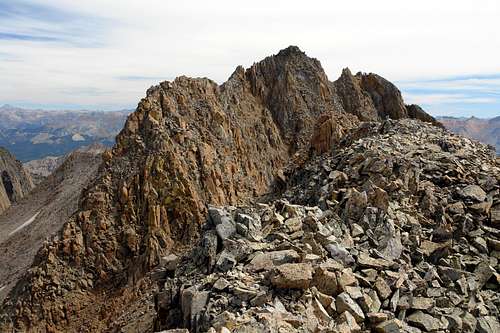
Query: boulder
point(169, 262)
point(325, 281)
point(425, 322)
point(422, 303)
point(389, 326)
point(225, 261)
point(253, 226)
point(488, 324)
point(473, 192)
point(344, 302)
point(495, 216)
point(192, 303)
point(347, 318)
point(267, 260)
point(382, 288)
point(292, 276)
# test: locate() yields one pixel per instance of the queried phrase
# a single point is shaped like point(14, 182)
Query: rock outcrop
point(373, 98)
point(190, 143)
point(15, 182)
point(355, 99)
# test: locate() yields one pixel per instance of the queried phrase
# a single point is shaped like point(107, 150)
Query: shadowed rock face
point(354, 98)
point(416, 112)
point(296, 90)
point(385, 96)
point(7, 185)
point(15, 182)
point(189, 143)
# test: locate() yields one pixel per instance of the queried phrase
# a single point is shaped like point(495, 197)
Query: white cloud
point(446, 99)
point(400, 40)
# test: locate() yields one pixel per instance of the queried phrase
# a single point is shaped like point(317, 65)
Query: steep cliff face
point(355, 100)
point(190, 143)
point(385, 96)
point(15, 182)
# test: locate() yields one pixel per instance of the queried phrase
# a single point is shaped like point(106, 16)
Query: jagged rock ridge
point(190, 142)
point(42, 168)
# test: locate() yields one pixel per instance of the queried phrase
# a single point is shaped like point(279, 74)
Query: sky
point(104, 54)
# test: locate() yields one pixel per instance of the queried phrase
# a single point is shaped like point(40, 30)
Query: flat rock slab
point(292, 276)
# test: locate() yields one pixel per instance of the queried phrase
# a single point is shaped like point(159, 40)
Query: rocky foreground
point(401, 235)
point(356, 212)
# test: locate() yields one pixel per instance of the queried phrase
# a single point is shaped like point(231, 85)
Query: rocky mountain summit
point(15, 181)
point(373, 98)
point(343, 190)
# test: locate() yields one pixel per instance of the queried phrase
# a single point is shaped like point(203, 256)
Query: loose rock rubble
point(400, 234)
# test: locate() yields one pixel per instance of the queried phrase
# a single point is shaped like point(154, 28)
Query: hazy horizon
point(104, 55)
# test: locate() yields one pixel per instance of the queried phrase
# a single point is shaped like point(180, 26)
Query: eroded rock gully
point(191, 143)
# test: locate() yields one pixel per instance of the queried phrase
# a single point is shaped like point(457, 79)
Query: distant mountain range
point(34, 134)
point(484, 130)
